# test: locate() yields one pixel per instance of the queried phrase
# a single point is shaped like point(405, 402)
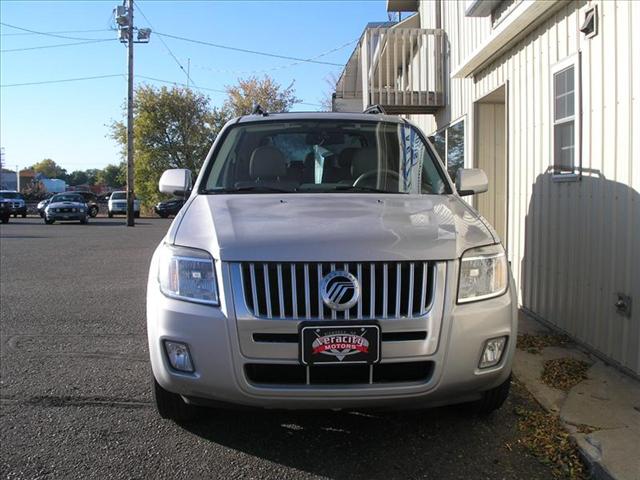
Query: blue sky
point(68, 121)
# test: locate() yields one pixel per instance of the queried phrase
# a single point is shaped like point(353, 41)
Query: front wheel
point(49, 221)
point(170, 405)
point(5, 219)
point(93, 212)
point(84, 220)
point(110, 215)
point(492, 399)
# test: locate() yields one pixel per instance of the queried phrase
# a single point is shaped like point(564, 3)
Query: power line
point(58, 31)
point(57, 45)
point(60, 81)
point(278, 67)
point(166, 46)
point(36, 32)
point(244, 50)
point(145, 77)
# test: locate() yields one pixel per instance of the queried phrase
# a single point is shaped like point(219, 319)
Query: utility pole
point(124, 19)
point(130, 192)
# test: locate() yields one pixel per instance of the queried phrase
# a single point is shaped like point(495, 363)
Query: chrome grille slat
point(267, 290)
point(291, 290)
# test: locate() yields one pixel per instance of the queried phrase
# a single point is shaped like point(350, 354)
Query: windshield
point(323, 156)
point(10, 195)
point(119, 196)
point(66, 198)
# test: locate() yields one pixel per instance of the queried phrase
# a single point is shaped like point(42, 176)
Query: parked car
point(327, 260)
point(17, 204)
point(169, 207)
point(5, 210)
point(68, 206)
point(91, 200)
point(117, 204)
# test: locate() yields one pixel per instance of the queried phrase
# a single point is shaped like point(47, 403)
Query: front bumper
point(214, 341)
point(65, 216)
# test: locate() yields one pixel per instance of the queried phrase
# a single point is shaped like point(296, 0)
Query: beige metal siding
point(572, 245)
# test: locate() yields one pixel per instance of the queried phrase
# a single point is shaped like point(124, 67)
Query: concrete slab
point(613, 454)
point(607, 399)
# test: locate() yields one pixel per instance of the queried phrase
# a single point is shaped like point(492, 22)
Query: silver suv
point(326, 260)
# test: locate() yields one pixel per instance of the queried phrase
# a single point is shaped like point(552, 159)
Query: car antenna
point(258, 110)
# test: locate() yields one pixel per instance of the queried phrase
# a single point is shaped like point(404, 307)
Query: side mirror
point(176, 181)
point(471, 180)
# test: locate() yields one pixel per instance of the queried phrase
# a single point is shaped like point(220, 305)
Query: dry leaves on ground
point(535, 343)
point(544, 436)
point(564, 373)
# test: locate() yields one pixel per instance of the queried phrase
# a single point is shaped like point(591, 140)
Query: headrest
point(364, 160)
point(345, 159)
point(267, 162)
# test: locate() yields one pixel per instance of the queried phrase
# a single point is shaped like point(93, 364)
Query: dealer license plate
point(339, 344)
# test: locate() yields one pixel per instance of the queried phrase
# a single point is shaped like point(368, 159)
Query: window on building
point(565, 126)
point(449, 143)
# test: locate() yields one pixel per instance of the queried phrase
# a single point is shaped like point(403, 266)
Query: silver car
point(327, 261)
point(66, 207)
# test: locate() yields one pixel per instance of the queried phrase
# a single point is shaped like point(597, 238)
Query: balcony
point(398, 68)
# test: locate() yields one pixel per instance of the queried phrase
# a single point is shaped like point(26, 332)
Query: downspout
point(438, 14)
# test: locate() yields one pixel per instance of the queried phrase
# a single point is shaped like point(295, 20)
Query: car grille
point(65, 210)
point(350, 374)
point(292, 290)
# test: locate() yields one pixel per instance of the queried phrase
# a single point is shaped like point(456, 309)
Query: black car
point(16, 202)
point(91, 199)
point(5, 211)
point(169, 207)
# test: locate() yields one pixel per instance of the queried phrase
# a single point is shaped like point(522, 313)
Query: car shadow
point(363, 444)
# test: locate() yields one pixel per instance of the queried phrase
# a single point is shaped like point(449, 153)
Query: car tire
point(24, 215)
point(164, 215)
point(83, 221)
point(41, 214)
point(170, 405)
point(110, 215)
point(5, 219)
point(49, 221)
point(492, 399)
point(93, 212)
point(136, 214)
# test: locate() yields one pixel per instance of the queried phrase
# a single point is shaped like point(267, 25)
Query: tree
point(112, 175)
point(174, 128)
point(266, 92)
point(49, 169)
point(77, 177)
point(92, 173)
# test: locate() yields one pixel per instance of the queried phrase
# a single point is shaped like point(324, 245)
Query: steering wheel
point(374, 173)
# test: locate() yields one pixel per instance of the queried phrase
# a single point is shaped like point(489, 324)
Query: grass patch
point(535, 343)
point(545, 437)
point(564, 373)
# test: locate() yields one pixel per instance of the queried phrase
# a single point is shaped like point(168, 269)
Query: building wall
point(572, 245)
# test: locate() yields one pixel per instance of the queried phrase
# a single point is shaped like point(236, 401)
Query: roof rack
point(375, 109)
point(258, 110)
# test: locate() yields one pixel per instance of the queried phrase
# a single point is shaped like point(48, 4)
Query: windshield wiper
point(359, 188)
point(249, 188)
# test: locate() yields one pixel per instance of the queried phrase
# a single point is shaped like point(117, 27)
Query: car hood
point(65, 205)
point(329, 227)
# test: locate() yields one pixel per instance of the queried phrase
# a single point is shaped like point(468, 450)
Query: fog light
point(492, 353)
point(179, 357)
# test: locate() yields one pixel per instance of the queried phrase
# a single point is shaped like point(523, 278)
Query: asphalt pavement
point(75, 397)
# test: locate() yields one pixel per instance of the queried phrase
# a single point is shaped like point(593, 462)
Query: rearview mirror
point(471, 180)
point(176, 181)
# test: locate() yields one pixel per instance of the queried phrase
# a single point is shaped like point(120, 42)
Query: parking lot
point(76, 402)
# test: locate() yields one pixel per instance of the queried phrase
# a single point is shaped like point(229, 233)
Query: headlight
point(187, 274)
point(483, 273)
